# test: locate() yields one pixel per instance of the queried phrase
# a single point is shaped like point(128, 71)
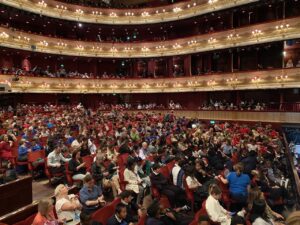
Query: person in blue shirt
point(23, 151)
point(36, 146)
point(91, 195)
point(239, 184)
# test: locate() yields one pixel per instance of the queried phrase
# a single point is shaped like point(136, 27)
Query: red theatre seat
point(103, 214)
point(33, 157)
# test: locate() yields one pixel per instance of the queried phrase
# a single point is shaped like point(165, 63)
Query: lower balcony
point(251, 80)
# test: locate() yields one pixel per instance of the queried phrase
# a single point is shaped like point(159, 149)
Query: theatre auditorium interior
point(149, 112)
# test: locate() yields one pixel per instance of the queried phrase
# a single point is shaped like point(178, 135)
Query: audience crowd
point(156, 167)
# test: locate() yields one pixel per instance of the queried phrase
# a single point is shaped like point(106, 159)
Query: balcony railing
point(172, 12)
point(250, 35)
point(265, 79)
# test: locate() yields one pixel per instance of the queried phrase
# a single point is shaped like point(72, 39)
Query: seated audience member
point(194, 185)
point(157, 214)
point(131, 206)
point(144, 151)
point(258, 216)
point(66, 206)
point(23, 151)
point(55, 159)
point(76, 166)
point(106, 178)
point(90, 195)
point(119, 217)
point(214, 209)
point(175, 195)
point(45, 214)
point(238, 184)
point(134, 182)
point(178, 172)
point(256, 194)
point(6, 148)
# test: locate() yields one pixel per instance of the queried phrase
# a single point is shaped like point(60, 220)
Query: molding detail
point(178, 11)
point(268, 79)
point(250, 35)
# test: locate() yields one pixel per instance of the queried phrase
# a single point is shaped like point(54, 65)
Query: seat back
point(34, 156)
point(30, 219)
point(142, 220)
point(88, 162)
point(165, 172)
point(103, 214)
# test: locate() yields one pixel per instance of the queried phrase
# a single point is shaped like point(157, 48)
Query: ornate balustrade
point(181, 10)
point(250, 35)
point(267, 79)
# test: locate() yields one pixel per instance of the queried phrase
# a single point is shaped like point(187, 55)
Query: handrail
point(177, 11)
point(295, 177)
point(181, 46)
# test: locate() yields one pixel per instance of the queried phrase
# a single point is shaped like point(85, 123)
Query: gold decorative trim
point(77, 13)
point(257, 34)
point(268, 79)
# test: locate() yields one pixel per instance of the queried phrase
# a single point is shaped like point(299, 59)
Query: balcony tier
point(250, 35)
point(172, 12)
point(268, 79)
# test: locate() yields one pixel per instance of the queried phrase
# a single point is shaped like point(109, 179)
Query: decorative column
point(187, 65)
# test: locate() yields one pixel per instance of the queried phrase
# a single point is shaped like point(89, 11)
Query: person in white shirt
point(55, 158)
point(66, 206)
point(213, 208)
point(178, 173)
point(143, 152)
point(134, 182)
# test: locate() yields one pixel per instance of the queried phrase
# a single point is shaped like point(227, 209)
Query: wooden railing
point(295, 177)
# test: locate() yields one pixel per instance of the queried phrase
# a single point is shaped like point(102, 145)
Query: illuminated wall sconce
point(282, 27)
point(144, 14)
point(146, 86)
point(96, 48)
point(256, 33)
point(192, 42)
point(61, 44)
point(4, 35)
point(232, 81)
point(255, 80)
point(45, 85)
point(42, 4)
point(160, 47)
point(44, 43)
point(79, 11)
point(61, 7)
point(113, 14)
point(80, 47)
point(176, 45)
point(113, 49)
point(176, 85)
point(192, 83)
point(129, 14)
point(212, 1)
point(233, 36)
point(80, 86)
point(177, 9)
point(282, 78)
point(96, 13)
point(145, 49)
point(128, 49)
point(114, 86)
point(212, 40)
point(211, 83)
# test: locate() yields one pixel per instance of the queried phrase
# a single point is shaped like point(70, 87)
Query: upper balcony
point(178, 11)
point(233, 18)
point(249, 35)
